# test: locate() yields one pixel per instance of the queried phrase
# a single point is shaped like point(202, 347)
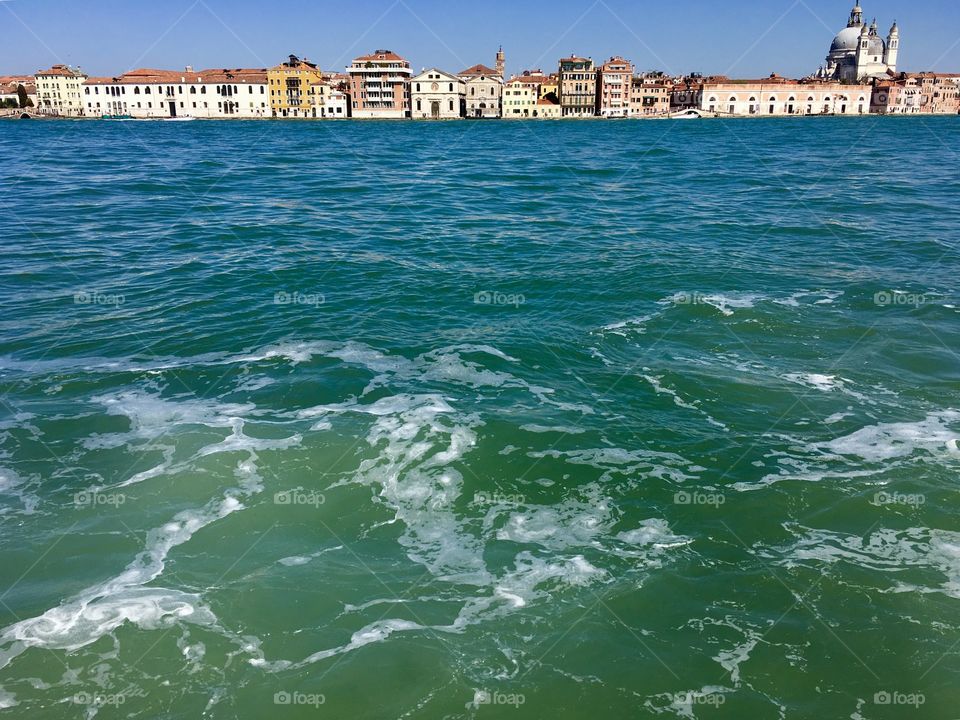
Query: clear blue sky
point(741, 38)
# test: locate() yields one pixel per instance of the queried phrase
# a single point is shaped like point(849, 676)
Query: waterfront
point(382, 420)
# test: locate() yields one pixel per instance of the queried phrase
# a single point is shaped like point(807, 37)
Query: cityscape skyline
point(784, 37)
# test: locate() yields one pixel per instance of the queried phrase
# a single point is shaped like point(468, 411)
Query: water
point(639, 419)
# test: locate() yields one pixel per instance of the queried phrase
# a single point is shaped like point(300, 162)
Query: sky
point(738, 38)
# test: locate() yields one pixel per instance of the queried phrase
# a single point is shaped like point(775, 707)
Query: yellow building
point(519, 99)
point(294, 86)
point(60, 91)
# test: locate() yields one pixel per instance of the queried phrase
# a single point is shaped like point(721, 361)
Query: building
point(578, 87)
point(293, 85)
point(484, 88)
point(649, 97)
point(858, 51)
point(548, 109)
point(380, 86)
point(437, 95)
point(331, 102)
point(614, 85)
point(777, 96)
point(148, 93)
point(917, 93)
point(519, 99)
point(10, 90)
point(59, 91)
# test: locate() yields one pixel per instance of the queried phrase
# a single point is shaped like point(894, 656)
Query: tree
point(22, 96)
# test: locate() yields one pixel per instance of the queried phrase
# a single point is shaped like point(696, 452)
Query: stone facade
point(437, 95)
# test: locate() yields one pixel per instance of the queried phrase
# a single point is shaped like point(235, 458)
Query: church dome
point(846, 40)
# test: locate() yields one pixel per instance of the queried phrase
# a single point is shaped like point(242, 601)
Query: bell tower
point(501, 62)
point(856, 16)
point(893, 48)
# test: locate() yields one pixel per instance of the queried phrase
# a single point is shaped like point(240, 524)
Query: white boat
point(688, 114)
point(179, 119)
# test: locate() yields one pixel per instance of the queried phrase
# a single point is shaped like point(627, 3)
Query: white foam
point(893, 552)
point(7, 699)
point(886, 441)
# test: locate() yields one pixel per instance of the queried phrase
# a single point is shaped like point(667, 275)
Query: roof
point(479, 69)
point(148, 76)
point(61, 71)
point(575, 59)
point(422, 76)
point(381, 55)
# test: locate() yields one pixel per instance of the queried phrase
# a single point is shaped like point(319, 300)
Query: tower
point(893, 48)
point(856, 16)
point(501, 62)
point(863, 50)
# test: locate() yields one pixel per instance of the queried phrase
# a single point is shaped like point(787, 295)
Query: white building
point(858, 52)
point(59, 91)
point(777, 96)
point(484, 91)
point(330, 102)
point(145, 93)
point(437, 95)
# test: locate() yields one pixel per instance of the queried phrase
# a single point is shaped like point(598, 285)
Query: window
point(193, 90)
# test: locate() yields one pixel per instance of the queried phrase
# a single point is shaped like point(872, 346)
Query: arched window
point(419, 105)
point(773, 104)
point(790, 103)
point(451, 89)
point(754, 107)
point(136, 91)
point(203, 90)
point(451, 103)
point(146, 90)
point(418, 87)
point(193, 90)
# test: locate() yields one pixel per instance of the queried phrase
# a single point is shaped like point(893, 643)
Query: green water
point(533, 420)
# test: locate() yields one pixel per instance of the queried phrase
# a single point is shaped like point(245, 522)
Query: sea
point(519, 420)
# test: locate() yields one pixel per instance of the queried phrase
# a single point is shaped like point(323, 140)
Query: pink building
point(917, 93)
point(614, 84)
point(380, 85)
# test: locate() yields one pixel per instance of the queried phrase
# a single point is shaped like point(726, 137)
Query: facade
point(519, 99)
point(614, 85)
point(858, 51)
point(437, 95)
point(59, 91)
point(919, 93)
point(484, 89)
point(777, 96)
point(548, 109)
point(10, 89)
point(649, 98)
point(293, 85)
point(380, 86)
point(147, 93)
point(578, 87)
point(332, 103)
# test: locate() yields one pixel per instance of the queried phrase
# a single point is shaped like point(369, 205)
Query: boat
point(116, 117)
point(688, 114)
point(178, 119)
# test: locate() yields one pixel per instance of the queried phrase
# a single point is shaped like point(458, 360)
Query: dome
point(846, 40)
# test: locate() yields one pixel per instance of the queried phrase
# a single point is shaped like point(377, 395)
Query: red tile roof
point(381, 55)
point(60, 71)
point(480, 69)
